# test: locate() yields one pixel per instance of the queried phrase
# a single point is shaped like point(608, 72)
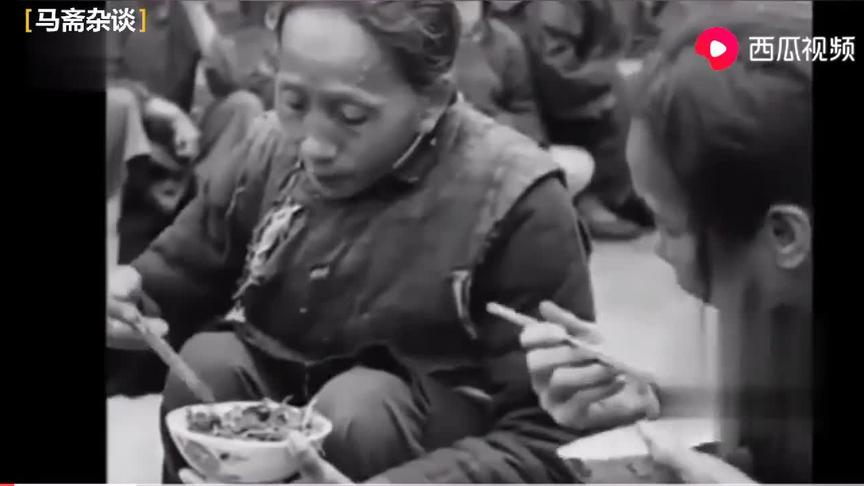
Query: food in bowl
point(267, 421)
point(244, 442)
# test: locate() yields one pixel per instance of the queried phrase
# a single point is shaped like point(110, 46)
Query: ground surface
point(645, 317)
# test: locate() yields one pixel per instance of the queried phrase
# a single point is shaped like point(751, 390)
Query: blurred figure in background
point(151, 145)
point(645, 20)
point(492, 72)
point(238, 60)
point(158, 69)
point(154, 143)
point(640, 21)
point(574, 48)
point(126, 140)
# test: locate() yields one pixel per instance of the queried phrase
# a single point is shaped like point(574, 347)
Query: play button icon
point(718, 46)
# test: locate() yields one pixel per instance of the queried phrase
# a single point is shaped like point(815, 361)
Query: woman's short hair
point(421, 35)
point(738, 140)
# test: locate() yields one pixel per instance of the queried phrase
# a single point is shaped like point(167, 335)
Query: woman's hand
point(312, 468)
point(124, 296)
point(689, 465)
point(573, 387)
point(187, 137)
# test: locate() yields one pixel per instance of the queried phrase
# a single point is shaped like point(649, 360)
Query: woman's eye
point(352, 114)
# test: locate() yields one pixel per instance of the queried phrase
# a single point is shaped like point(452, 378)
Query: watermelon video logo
point(718, 46)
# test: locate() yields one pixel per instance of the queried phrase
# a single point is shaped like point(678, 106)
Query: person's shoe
point(603, 224)
point(634, 209)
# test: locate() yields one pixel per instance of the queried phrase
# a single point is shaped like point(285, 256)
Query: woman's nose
point(314, 149)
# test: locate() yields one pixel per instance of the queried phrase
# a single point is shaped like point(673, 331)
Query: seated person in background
point(724, 159)
point(151, 79)
point(160, 68)
point(244, 50)
point(125, 141)
point(145, 188)
point(573, 47)
point(493, 73)
point(347, 251)
point(132, 160)
point(238, 60)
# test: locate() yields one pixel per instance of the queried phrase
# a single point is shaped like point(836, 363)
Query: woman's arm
point(538, 255)
point(191, 269)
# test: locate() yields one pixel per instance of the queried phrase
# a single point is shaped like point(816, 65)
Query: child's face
point(652, 179)
point(746, 278)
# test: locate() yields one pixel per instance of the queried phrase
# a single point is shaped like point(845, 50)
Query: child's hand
point(689, 465)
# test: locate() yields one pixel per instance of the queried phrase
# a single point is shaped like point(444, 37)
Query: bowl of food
point(244, 442)
point(621, 456)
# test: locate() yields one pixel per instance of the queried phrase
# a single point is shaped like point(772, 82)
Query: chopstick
point(522, 320)
point(308, 410)
point(175, 363)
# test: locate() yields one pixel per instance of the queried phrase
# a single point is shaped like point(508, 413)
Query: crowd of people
point(365, 176)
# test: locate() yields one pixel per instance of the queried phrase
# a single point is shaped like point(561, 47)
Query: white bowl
point(626, 441)
point(235, 460)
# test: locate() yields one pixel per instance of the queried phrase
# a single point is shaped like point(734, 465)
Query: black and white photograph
point(455, 241)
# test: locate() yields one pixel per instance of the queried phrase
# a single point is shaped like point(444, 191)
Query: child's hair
point(737, 140)
point(421, 35)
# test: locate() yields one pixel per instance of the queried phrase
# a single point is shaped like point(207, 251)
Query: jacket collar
point(420, 156)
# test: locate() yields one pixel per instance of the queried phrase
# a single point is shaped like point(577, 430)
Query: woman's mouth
point(327, 176)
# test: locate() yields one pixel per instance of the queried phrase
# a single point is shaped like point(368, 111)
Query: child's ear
point(790, 235)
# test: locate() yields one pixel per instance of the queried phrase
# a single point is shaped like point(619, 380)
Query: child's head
point(723, 158)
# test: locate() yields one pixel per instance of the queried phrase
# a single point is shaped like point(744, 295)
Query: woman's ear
point(790, 234)
point(438, 97)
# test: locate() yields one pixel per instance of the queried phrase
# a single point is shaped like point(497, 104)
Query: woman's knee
point(377, 424)
point(359, 393)
point(221, 360)
point(369, 407)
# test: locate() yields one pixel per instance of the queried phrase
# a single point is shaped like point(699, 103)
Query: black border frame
point(837, 86)
point(55, 243)
point(54, 351)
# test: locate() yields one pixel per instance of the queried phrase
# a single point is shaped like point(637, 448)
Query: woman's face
point(341, 99)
